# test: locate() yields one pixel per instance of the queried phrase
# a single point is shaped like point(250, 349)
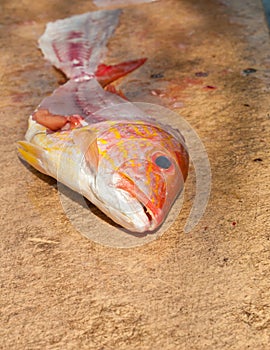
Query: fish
point(90, 137)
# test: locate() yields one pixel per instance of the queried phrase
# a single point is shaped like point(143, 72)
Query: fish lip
point(139, 224)
point(151, 223)
point(152, 213)
point(147, 212)
point(154, 219)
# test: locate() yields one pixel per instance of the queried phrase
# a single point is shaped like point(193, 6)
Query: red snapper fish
point(126, 163)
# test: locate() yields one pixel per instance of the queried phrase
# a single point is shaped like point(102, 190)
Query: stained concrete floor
point(208, 289)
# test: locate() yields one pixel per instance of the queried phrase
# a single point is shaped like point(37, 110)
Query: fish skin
point(110, 158)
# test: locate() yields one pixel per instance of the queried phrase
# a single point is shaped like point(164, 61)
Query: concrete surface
point(208, 289)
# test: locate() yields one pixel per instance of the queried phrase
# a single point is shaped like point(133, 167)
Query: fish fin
point(76, 44)
point(86, 140)
point(107, 74)
point(32, 154)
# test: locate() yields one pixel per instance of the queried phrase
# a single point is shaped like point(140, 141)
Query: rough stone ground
point(208, 289)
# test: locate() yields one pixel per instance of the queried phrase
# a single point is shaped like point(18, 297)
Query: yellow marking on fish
point(103, 141)
point(132, 162)
point(156, 186)
point(116, 133)
point(148, 173)
point(31, 154)
point(146, 130)
point(137, 130)
point(123, 149)
point(106, 156)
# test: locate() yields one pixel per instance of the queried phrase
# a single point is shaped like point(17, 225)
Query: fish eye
point(163, 162)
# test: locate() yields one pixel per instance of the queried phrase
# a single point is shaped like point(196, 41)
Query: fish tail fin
point(77, 44)
point(32, 154)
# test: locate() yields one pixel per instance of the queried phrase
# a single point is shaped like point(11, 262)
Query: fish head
point(142, 169)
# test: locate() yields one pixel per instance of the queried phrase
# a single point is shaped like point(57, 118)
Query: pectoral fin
point(33, 155)
point(86, 140)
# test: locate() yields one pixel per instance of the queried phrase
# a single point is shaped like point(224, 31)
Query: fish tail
point(32, 154)
point(77, 44)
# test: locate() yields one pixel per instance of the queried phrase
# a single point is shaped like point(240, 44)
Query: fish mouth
point(147, 213)
point(145, 210)
point(141, 220)
point(154, 215)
